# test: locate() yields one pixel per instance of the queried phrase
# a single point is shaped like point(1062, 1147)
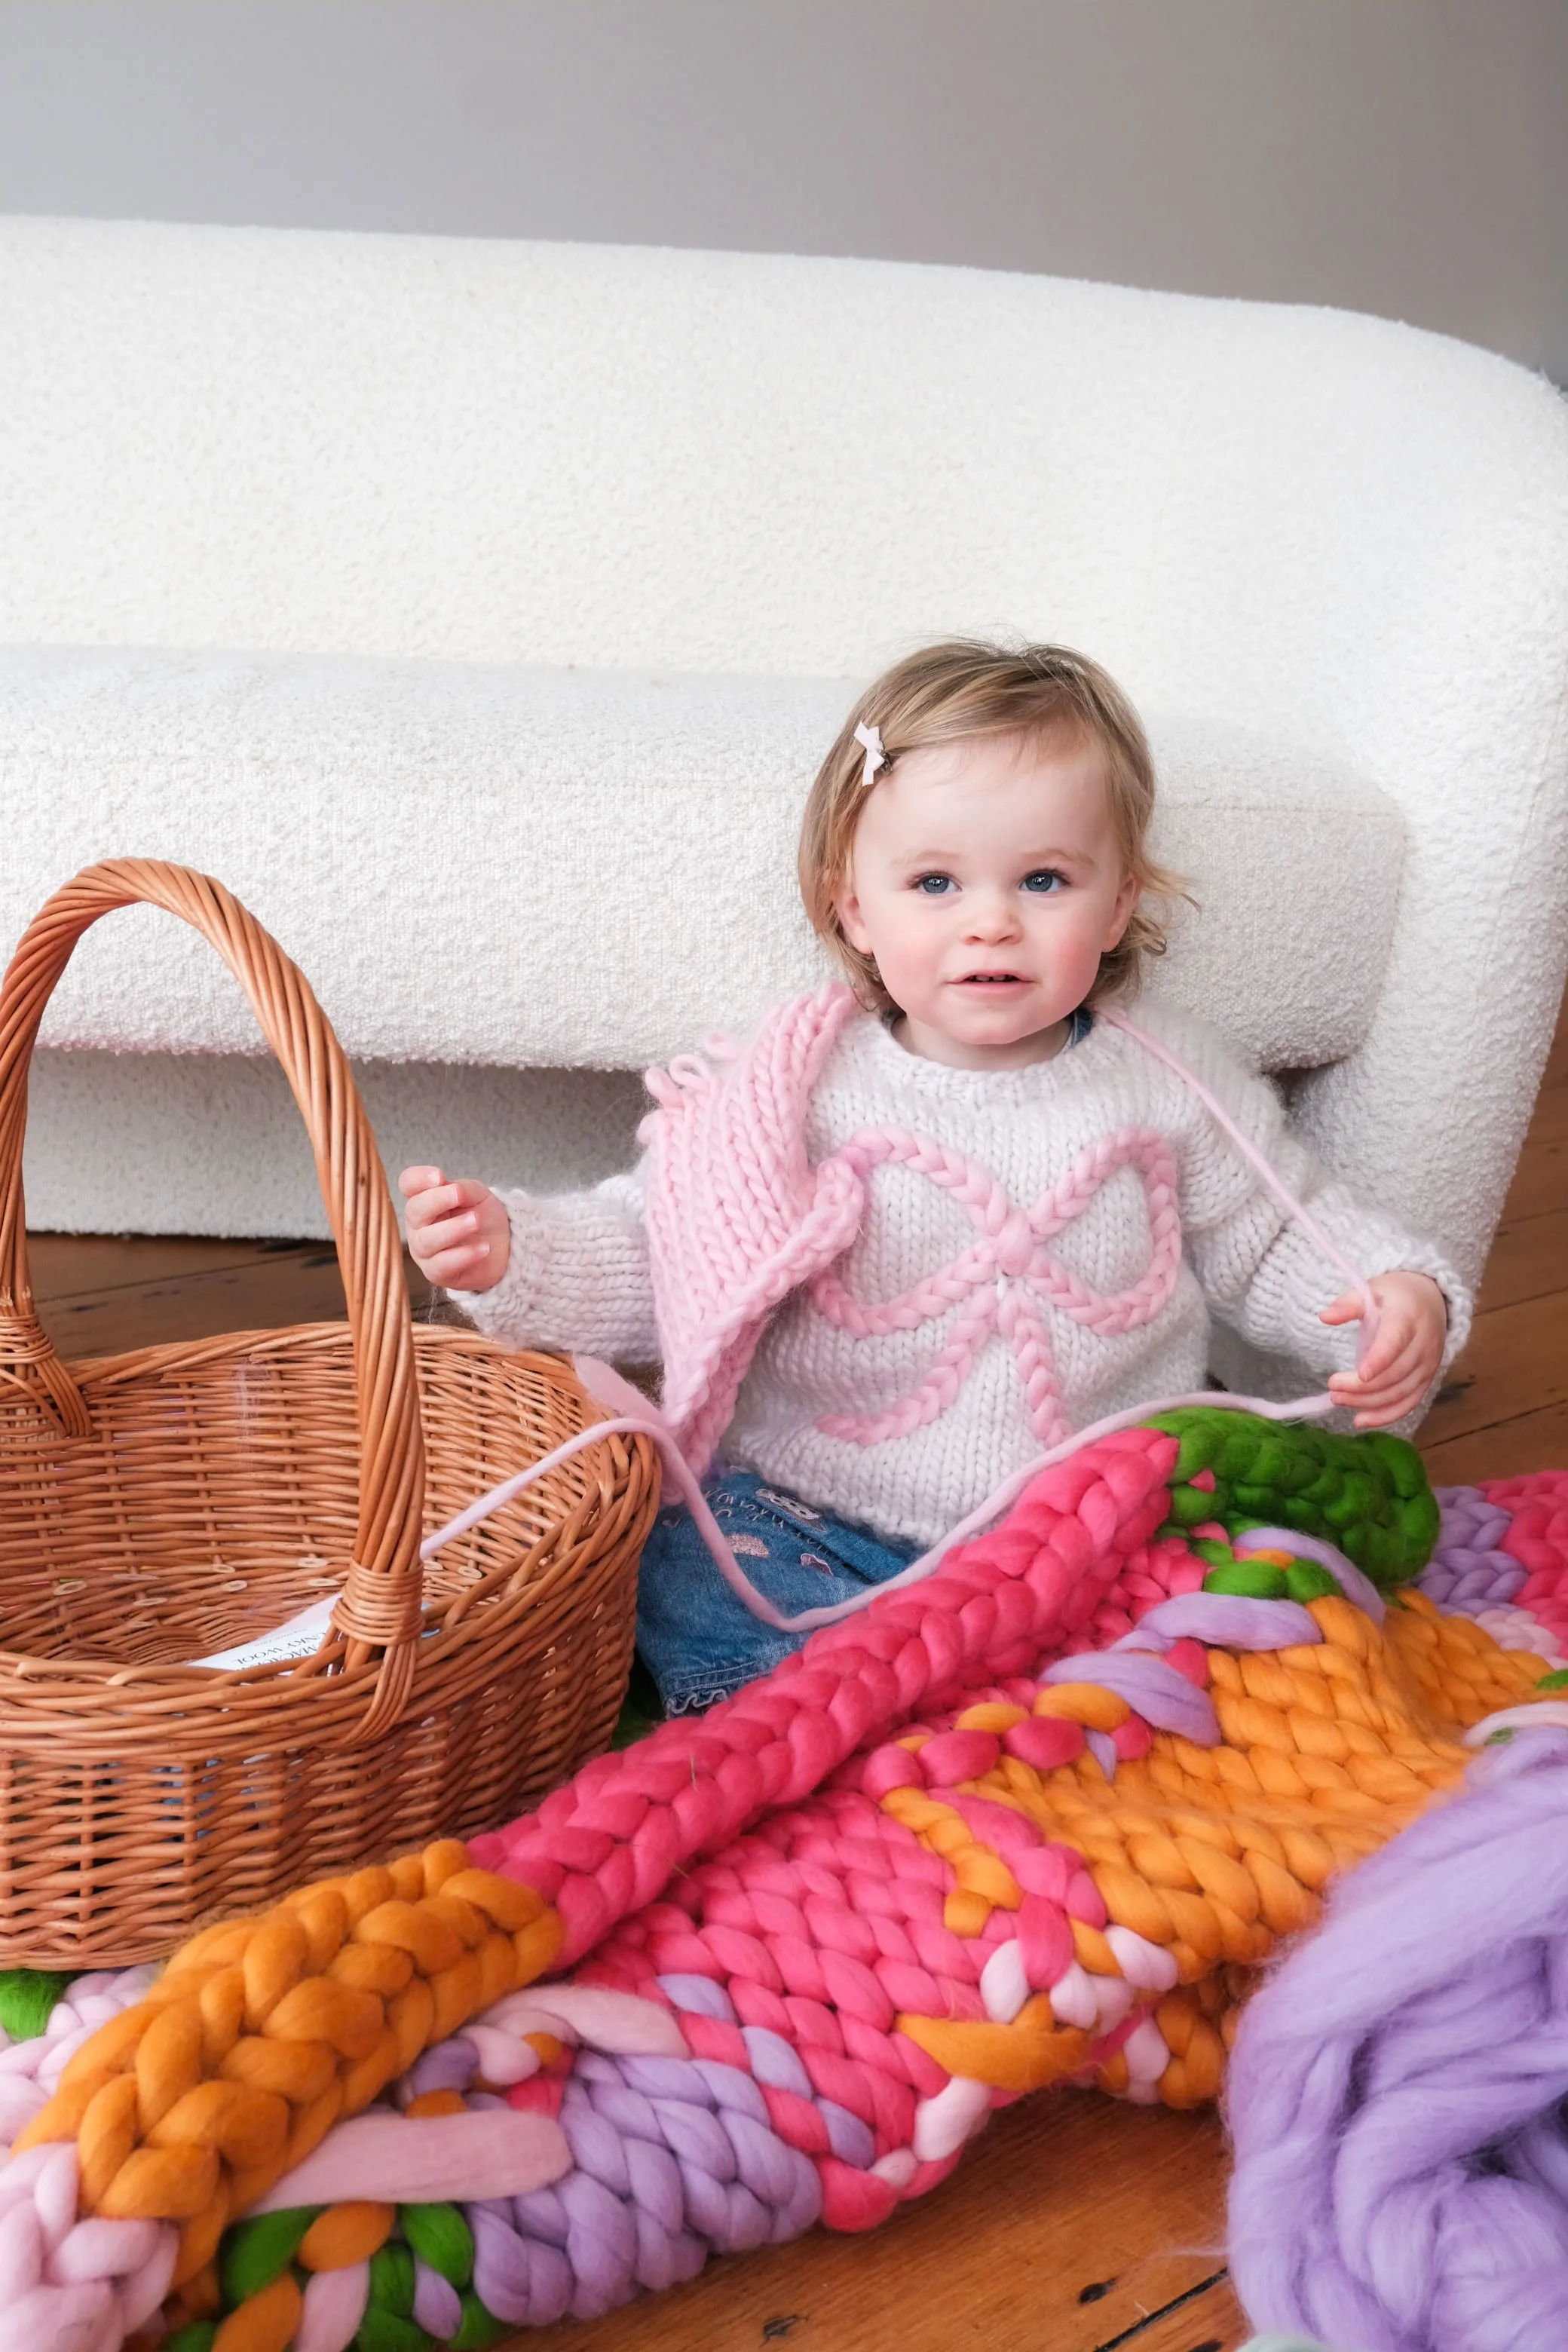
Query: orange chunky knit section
point(1214, 1853)
point(263, 2033)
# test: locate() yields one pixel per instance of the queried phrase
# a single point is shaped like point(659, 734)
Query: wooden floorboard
point(99, 1293)
point(1504, 1407)
point(1528, 1258)
point(1075, 2223)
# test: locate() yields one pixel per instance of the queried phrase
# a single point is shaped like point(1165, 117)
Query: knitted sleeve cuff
point(1294, 1282)
point(506, 1311)
point(577, 1277)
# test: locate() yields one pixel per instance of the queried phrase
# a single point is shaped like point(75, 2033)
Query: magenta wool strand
point(1395, 2093)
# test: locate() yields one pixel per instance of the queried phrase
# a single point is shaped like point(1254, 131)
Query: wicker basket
point(161, 1506)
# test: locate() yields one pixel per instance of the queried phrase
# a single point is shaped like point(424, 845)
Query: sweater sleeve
point(1259, 1269)
point(577, 1275)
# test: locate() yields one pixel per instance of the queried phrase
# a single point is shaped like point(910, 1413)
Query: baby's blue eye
point(1045, 881)
point(935, 886)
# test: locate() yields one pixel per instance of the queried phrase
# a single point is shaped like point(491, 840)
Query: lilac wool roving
point(1396, 2093)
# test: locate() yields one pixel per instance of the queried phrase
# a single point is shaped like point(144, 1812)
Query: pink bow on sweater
point(995, 1282)
point(737, 1219)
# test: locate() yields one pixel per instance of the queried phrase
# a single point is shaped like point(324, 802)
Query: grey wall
point(1404, 156)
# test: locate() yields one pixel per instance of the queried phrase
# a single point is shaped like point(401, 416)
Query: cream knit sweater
point(578, 1276)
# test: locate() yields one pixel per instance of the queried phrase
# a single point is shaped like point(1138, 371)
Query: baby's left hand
point(1412, 1325)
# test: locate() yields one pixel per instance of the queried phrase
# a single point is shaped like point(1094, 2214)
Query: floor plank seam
point(1177, 2303)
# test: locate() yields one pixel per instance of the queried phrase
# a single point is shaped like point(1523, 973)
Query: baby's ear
point(851, 922)
point(1121, 913)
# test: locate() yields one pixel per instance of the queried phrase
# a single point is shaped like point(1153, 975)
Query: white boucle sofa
point(479, 613)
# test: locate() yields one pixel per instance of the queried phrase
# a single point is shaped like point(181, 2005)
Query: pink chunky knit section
point(736, 1216)
point(1538, 1539)
point(1075, 1559)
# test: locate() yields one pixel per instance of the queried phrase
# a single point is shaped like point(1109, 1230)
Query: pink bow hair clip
point(871, 738)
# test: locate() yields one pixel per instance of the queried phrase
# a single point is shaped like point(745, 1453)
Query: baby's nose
point(993, 918)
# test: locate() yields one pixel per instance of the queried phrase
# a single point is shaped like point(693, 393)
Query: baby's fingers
point(1390, 1336)
point(1391, 1405)
point(413, 1181)
point(1392, 1345)
point(454, 1269)
point(1397, 1392)
point(1385, 1337)
point(1375, 1377)
point(452, 1230)
point(442, 1201)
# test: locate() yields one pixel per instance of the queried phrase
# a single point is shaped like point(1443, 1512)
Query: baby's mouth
point(992, 980)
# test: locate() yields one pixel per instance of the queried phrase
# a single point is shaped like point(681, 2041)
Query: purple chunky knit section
point(1398, 2093)
point(1468, 1571)
point(675, 2159)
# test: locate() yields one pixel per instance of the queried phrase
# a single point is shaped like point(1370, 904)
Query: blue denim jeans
point(696, 1640)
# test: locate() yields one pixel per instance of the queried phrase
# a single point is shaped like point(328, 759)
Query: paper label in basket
point(301, 1637)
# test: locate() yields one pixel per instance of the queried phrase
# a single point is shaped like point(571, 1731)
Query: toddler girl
point(924, 1224)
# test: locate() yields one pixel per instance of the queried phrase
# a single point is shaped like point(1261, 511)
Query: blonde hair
point(965, 687)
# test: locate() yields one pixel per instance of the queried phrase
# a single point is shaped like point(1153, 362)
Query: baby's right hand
point(459, 1236)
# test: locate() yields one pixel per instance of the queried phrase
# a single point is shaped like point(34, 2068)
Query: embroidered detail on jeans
point(788, 1503)
point(699, 1702)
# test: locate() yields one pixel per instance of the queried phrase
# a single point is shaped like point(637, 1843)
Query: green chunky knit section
point(1368, 1493)
point(27, 1997)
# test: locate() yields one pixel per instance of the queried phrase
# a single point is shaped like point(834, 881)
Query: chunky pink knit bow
point(995, 1280)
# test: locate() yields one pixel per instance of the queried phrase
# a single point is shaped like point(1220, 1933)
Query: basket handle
point(379, 1607)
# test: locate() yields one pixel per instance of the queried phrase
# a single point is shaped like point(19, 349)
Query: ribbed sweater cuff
point(504, 1311)
point(1334, 1348)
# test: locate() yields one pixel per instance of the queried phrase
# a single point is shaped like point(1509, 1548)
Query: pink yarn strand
point(1276, 1184)
point(650, 1423)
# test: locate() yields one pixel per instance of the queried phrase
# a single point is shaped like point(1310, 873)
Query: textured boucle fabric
point(588, 1258)
point(639, 881)
point(204, 1143)
point(1330, 532)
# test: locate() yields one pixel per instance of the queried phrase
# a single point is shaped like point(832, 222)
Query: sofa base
point(168, 1143)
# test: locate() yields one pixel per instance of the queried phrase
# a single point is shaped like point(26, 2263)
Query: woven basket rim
point(494, 1616)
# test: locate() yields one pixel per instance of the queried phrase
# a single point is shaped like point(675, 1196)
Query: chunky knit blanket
point(1041, 1820)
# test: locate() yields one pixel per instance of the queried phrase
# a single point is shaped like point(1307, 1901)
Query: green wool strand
point(1306, 1580)
point(391, 2279)
point(1254, 1579)
point(1261, 1580)
point(255, 2253)
point(479, 2328)
point(385, 2331)
point(27, 1998)
point(1367, 1492)
point(439, 2236)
